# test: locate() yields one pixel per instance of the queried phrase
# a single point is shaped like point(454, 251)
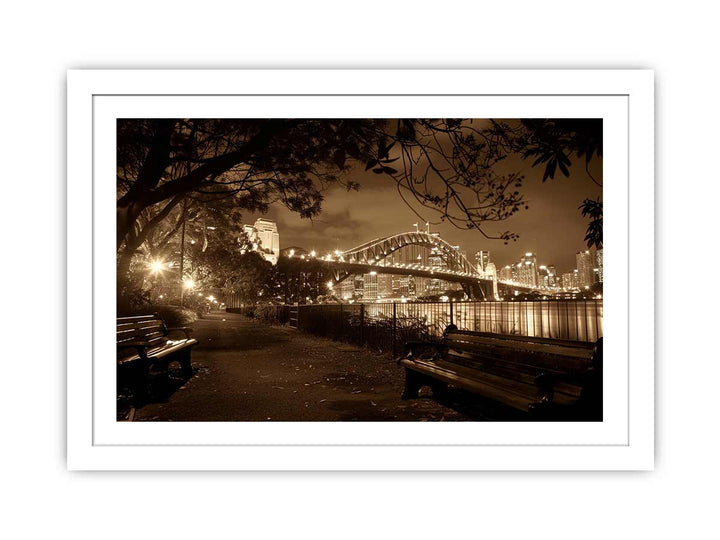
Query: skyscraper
point(543, 277)
point(585, 268)
point(552, 276)
point(599, 258)
point(570, 280)
point(347, 288)
point(482, 259)
point(506, 273)
point(370, 287)
point(528, 271)
point(384, 286)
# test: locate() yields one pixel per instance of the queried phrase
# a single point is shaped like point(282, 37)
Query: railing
point(387, 327)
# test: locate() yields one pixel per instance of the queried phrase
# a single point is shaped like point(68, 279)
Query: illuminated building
point(269, 239)
point(264, 238)
point(506, 273)
point(370, 287)
point(528, 271)
point(384, 286)
point(552, 277)
point(570, 281)
point(599, 259)
point(482, 259)
point(585, 268)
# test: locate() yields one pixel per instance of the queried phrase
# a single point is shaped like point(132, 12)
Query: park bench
point(144, 346)
point(545, 378)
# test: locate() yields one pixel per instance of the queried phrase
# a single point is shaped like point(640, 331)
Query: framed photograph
point(360, 270)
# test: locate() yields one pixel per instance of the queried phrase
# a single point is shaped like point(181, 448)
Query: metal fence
point(387, 327)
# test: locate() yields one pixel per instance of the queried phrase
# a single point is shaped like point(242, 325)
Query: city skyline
point(380, 283)
point(265, 233)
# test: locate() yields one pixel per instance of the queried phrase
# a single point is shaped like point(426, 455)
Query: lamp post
point(182, 254)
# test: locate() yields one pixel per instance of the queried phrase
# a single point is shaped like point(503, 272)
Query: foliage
point(198, 175)
point(553, 142)
point(445, 166)
point(594, 211)
point(175, 316)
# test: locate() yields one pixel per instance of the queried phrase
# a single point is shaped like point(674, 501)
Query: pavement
point(249, 371)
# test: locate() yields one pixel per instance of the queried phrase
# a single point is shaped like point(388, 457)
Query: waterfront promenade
point(250, 371)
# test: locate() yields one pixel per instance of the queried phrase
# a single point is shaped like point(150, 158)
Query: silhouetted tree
point(442, 165)
point(594, 211)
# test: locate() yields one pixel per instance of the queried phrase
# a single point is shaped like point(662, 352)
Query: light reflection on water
point(566, 319)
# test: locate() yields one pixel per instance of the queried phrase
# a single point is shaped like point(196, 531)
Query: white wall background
point(40, 40)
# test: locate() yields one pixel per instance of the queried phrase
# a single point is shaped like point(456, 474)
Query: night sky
point(552, 227)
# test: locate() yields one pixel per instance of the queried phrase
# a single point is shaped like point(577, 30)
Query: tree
point(445, 166)
point(553, 142)
point(594, 211)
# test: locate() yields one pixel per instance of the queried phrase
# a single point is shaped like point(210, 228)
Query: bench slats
point(559, 350)
point(515, 338)
point(148, 329)
point(539, 359)
point(503, 368)
point(517, 400)
point(168, 348)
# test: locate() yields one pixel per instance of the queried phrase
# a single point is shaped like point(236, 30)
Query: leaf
point(389, 170)
point(371, 164)
point(339, 158)
point(563, 169)
point(378, 171)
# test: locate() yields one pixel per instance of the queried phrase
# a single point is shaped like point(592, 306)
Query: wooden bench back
point(520, 358)
point(146, 328)
point(541, 354)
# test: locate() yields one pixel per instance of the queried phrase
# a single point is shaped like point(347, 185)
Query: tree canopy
point(174, 173)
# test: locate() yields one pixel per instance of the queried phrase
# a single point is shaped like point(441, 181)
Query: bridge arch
point(376, 250)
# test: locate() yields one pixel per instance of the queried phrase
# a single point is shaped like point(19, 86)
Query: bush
point(175, 315)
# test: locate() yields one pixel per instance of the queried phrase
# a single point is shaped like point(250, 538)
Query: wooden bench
point(546, 378)
point(144, 345)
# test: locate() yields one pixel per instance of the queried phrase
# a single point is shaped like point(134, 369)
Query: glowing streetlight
point(157, 266)
point(189, 284)
point(330, 284)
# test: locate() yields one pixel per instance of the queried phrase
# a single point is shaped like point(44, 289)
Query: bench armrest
point(411, 347)
point(546, 382)
point(186, 329)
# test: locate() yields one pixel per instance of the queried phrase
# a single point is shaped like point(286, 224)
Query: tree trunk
point(124, 283)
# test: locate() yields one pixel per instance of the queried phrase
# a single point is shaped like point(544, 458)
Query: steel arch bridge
point(377, 250)
point(373, 256)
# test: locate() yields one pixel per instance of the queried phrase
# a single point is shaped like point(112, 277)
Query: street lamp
point(156, 266)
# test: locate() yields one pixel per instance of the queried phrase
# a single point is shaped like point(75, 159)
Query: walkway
point(250, 371)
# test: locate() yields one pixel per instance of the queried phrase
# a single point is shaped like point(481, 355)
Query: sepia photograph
point(359, 269)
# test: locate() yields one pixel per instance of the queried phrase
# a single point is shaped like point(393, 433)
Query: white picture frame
point(623, 441)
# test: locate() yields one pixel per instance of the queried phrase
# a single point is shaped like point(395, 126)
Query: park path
point(246, 371)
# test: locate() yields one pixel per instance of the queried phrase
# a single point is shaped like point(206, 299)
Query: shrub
point(175, 315)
